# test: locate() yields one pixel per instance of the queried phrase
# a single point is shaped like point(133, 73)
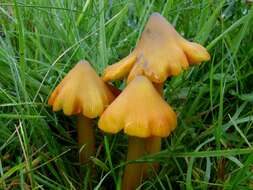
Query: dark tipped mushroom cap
point(161, 52)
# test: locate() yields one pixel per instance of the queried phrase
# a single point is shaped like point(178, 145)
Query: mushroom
point(142, 113)
point(161, 52)
point(82, 92)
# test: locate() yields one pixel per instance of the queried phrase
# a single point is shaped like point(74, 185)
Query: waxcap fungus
point(81, 91)
point(140, 111)
point(160, 53)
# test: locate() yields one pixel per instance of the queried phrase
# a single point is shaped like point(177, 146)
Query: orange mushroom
point(161, 52)
point(82, 92)
point(142, 113)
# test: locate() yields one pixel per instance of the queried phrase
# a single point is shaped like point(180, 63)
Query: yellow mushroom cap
point(161, 52)
point(81, 91)
point(140, 111)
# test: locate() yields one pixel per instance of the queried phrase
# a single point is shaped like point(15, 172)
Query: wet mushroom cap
point(160, 53)
point(140, 111)
point(81, 91)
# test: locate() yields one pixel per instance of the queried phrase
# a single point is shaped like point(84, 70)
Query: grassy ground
point(40, 40)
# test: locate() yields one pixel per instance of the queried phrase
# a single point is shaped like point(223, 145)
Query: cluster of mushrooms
point(139, 110)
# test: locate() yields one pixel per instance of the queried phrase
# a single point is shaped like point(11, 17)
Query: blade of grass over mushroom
point(100, 164)
point(107, 150)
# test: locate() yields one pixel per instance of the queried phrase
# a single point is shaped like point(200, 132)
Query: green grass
point(42, 40)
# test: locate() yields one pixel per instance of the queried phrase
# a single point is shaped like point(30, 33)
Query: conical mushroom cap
point(160, 53)
point(81, 91)
point(140, 111)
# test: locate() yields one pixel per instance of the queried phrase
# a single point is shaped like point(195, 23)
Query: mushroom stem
point(153, 144)
point(86, 138)
point(133, 173)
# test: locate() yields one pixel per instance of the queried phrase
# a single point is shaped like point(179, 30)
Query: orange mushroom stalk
point(142, 113)
point(82, 93)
